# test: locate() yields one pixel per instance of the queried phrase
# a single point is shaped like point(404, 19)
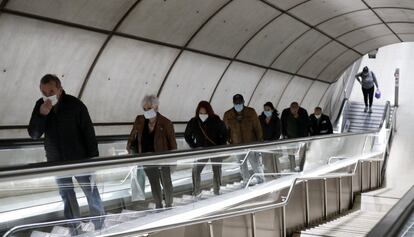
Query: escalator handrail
point(394, 220)
point(283, 204)
point(386, 114)
point(40, 169)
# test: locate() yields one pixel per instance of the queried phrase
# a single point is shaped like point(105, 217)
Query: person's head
point(294, 108)
point(365, 70)
point(238, 102)
point(51, 88)
point(150, 105)
point(204, 110)
point(268, 109)
point(318, 112)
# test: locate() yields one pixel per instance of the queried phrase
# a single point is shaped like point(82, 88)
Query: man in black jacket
point(295, 122)
point(69, 135)
point(320, 123)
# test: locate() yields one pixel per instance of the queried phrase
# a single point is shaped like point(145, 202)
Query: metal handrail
point(214, 217)
point(386, 115)
point(339, 121)
point(134, 159)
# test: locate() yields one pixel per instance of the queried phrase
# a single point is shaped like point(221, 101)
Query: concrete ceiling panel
point(29, 50)
point(126, 71)
point(272, 40)
point(402, 28)
point(314, 95)
point(285, 5)
point(323, 57)
point(295, 91)
point(407, 37)
point(226, 33)
point(391, 3)
point(378, 42)
point(349, 22)
point(361, 35)
point(192, 79)
point(94, 13)
point(173, 21)
point(317, 11)
point(239, 79)
point(270, 89)
point(393, 15)
point(331, 73)
point(297, 53)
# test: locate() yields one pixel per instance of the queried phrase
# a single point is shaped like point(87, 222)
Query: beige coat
point(247, 130)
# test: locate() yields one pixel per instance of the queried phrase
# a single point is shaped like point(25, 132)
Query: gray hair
point(150, 99)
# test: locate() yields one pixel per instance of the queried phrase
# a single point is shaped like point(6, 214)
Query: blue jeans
point(71, 206)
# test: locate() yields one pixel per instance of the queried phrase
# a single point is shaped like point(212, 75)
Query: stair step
point(60, 230)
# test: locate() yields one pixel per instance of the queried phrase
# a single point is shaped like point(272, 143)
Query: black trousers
point(368, 95)
point(216, 178)
point(156, 177)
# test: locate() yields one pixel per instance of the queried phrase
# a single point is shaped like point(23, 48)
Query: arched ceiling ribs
point(187, 43)
point(323, 96)
point(300, 36)
point(110, 35)
point(241, 49)
point(382, 20)
point(283, 92)
point(237, 54)
point(307, 92)
point(336, 58)
point(3, 4)
point(309, 25)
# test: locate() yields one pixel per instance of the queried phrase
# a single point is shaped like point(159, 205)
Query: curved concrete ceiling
point(110, 53)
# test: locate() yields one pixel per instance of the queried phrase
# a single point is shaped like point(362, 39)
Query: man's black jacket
point(320, 126)
point(68, 129)
point(295, 127)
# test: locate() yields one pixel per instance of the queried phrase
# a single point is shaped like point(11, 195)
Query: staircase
point(360, 121)
point(355, 224)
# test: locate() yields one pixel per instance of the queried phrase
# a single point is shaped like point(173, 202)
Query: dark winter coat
point(295, 127)
point(320, 126)
point(68, 130)
point(213, 127)
point(271, 130)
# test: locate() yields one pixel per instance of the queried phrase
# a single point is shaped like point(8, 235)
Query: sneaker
point(370, 110)
point(366, 109)
point(253, 182)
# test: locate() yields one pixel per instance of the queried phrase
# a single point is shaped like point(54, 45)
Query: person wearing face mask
point(367, 80)
point(320, 123)
point(68, 135)
point(270, 122)
point(244, 127)
point(206, 129)
point(152, 132)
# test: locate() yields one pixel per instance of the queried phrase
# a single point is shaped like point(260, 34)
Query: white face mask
point(149, 114)
point(318, 116)
point(52, 99)
point(203, 117)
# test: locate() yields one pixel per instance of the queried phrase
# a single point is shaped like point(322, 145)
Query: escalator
point(307, 181)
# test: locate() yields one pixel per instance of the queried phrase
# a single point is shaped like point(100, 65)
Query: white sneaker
point(366, 109)
point(370, 110)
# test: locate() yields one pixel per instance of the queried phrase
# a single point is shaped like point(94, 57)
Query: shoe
point(366, 109)
point(253, 182)
point(370, 110)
